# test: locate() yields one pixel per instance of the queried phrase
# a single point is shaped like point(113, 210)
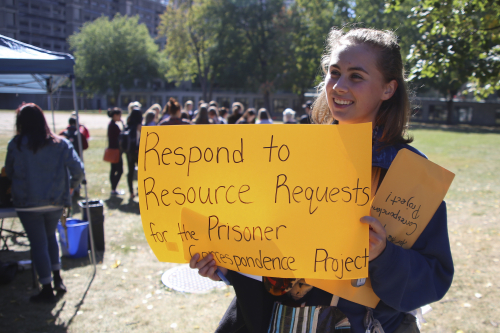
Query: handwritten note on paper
point(408, 197)
point(410, 194)
point(270, 200)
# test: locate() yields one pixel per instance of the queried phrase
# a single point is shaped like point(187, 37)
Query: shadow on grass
point(462, 128)
point(20, 315)
point(124, 205)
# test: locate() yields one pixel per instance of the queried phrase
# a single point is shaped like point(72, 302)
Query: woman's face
point(355, 88)
point(117, 117)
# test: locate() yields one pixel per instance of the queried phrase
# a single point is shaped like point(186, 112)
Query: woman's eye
point(334, 73)
point(356, 76)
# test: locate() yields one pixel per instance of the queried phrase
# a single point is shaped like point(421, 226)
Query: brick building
point(49, 23)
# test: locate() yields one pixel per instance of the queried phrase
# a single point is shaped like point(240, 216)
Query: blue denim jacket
point(43, 178)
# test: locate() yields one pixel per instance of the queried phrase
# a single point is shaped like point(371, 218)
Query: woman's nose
point(341, 85)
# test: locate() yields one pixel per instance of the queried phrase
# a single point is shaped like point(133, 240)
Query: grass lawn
point(131, 296)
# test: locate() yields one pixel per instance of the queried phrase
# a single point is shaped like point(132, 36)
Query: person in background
point(149, 119)
point(134, 105)
point(84, 130)
point(289, 116)
point(202, 116)
point(213, 114)
point(156, 108)
point(237, 110)
point(263, 117)
point(44, 169)
point(113, 142)
point(174, 111)
point(248, 117)
point(71, 134)
point(134, 125)
point(185, 116)
point(195, 113)
point(223, 114)
point(188, 107)
point(306, 118)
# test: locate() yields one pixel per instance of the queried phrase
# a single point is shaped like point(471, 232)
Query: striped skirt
point(308, 319)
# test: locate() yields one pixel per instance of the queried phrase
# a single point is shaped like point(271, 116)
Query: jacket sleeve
point(406, 279)
point(74, 165)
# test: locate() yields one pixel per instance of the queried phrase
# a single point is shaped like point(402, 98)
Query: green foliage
point(192, 32)
point(111, 54)
point(459, 43)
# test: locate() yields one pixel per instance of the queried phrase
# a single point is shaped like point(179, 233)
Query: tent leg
point(91, 234)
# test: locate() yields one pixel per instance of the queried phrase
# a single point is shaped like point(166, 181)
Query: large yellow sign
point(272, 200)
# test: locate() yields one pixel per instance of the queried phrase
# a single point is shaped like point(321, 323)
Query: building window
point(279, 105)
point(46, 27)
point(258, 103)
point(125, 100)
point(189, 98)
point(141, 99)
point(9, 2)
point(47, 46)
point(35, 7)
point(24, 23)
point(437, 112)
point(243, 101)
point(57, 47)
point(497, 116)
point(224, 102)
point(10, 19)
point(23, 5)
point(464, 114)
point(36, 44)
point(157, 100)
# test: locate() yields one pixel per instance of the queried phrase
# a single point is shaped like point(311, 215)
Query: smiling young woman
point(364, 82)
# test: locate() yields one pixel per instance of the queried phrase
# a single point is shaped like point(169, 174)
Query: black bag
point(8, 272)
point(127, 140)
point(124, 140)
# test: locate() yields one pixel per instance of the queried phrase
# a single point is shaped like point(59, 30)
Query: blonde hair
point(394, 113)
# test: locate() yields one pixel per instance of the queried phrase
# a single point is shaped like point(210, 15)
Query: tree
point(311, 21)
point(459, 43)
point(111, 54)
point(191, 32)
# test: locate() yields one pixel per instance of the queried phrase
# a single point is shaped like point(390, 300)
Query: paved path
point(91, 121)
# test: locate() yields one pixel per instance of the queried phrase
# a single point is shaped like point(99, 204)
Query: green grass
point(118, 298)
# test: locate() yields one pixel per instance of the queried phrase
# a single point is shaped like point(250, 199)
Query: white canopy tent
point(28, 69)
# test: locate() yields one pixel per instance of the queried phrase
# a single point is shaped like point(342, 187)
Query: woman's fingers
point(378, 236)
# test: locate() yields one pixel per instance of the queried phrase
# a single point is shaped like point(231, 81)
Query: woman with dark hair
point(263, 117)
point(113, 143)
point(202, 116)
point(134, 125)
point(173, 109)
point(248, 117)
point(44, 170)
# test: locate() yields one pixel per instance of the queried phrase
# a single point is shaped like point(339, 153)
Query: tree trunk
point(449, 112)
point(267, 102)
point(116, 95)
point(449, 106)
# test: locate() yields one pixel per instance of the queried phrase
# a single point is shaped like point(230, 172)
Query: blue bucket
point(74, 240)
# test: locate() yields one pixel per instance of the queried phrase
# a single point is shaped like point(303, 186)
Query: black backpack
point(127, 140)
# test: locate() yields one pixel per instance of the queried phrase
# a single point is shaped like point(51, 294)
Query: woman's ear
point(390, 89)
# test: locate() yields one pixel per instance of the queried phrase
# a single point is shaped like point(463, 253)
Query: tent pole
point(51, 101)
point(84, 182)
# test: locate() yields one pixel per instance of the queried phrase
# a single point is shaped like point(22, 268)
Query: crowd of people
point(173, 113)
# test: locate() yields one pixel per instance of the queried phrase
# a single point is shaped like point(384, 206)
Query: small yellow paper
point(408, 197)
point(274, 200)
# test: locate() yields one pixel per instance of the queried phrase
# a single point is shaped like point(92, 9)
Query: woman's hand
point(378, 236)
point(206, 266)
